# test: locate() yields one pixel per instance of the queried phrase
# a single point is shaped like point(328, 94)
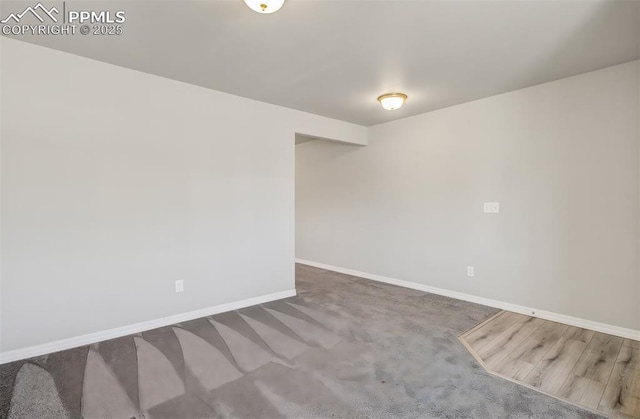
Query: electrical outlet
point(471, 271)
point(491, 207)
point(179, 285)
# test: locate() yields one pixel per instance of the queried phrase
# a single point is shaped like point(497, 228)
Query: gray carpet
point(345, 347)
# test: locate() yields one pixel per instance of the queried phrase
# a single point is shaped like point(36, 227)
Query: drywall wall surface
point(561, 159)
point(116, 183)
point(638, 133)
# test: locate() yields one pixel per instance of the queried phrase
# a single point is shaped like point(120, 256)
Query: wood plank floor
point(597, 371)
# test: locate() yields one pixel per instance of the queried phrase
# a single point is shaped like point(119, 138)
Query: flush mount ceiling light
point(265, 6)
point(392, 101)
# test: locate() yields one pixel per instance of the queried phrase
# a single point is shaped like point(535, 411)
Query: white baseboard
point(547, 315)
point(90, 338)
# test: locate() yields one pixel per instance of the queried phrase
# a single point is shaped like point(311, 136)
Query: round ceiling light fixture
point(265, 6)
point(392, 101)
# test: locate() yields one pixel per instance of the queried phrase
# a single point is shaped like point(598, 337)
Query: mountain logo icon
point(38, 11)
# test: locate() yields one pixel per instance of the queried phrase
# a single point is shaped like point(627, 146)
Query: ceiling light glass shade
point(392, 101)
point(265, 6)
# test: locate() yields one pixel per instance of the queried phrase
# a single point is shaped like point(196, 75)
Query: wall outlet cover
point(179, 285)
point(471, 271)
point(492, 207)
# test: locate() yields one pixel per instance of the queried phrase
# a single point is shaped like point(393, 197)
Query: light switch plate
point(179, 285)
point(491, 207)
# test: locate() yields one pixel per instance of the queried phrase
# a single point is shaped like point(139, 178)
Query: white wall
point(638, 131)
point(562, 160)
point(115, 183)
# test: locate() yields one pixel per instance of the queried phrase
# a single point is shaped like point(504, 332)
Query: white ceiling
point(301, 138)
point(334, 58)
